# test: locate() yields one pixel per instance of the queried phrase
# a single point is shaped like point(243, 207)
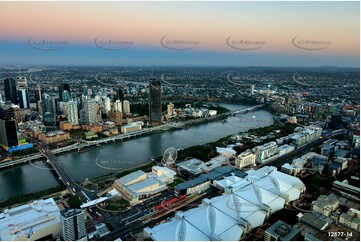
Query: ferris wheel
point(170, 156)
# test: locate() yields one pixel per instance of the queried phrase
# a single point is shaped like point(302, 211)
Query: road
point(72, 186)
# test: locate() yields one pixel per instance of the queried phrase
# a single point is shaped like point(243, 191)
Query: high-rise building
point(170, 109)
point(62, 88)
point(47, 103)
point(252, 89)
point(10, 90)
point(71, 110)
point(8, 128)
point(6, 113)
point(120, 94)
point(22, 92)
point(126, 106)
point(155, 102)
point(65, 96)
point(73, 225)
point(118, 106)
point(22, 82)
point(23, 96)
point(38, 92)
point(116, 117)
point(49, 119)
point(107, 105)
point(40, 107)
point(90, 112)
point(54, 103)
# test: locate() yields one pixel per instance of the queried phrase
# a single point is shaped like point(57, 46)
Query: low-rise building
point(325, 204)
point(246, 158)
point(213, 163)
point(285, 149)
point(54, 137)
point(38, 220)
point(351, 219)
point(346, 190)
point(226, 152)
point(342, 161)
point(295, 167)
point(265, 153)
point(190, 167)
point(90, 135)
point(138, 185)
point(315, 221)
point(65, 125)
point(132, 127)
point(281, 231)
point(114, 131)
point(212, 112)
point(95, 128)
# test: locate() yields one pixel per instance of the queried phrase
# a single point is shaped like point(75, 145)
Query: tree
point(74, 201)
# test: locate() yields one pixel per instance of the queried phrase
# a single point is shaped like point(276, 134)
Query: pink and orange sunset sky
point(275, 24)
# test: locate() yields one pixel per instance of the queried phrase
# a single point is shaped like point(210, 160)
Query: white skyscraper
point(252, 89)
point(23, 95)
point(107, 105)
point(72, 112)
point(90, 111)
point(126, 106)
point(118, 106)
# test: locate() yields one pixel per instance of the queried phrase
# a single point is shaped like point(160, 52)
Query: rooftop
point(316, 220)
point(128, 179)
point(283, 231)
point(16, 222)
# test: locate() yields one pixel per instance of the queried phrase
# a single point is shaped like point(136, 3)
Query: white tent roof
point(218, 218)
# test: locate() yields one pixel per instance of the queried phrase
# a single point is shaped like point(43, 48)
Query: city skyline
point(223, 34)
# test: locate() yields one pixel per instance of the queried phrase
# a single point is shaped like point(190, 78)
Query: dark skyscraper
point(23, 98)
point(8, 128)
point(63, 87)
point(38, 92)
point(155, 102)
point(10, 90)
point(120, 95)
point(336, 121)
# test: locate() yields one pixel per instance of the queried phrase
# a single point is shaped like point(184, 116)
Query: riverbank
point(124, 156)
point(117, 138)
point(21, 199)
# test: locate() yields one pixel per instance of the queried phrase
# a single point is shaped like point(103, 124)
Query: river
point(112, 157)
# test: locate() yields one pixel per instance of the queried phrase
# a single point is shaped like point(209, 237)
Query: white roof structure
point(42, 217)
point(132, 177)
point(141, 183)
point(94, 202)
point(245, 205)
point(229, 151)
point(191, 165)
point(238, 208)
point(213, 163)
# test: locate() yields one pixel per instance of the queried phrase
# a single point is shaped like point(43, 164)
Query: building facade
point(244, 159)
point(155, 102)
point(73, 225)
point(72, 112)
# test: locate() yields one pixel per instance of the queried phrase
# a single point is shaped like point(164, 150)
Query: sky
point(180, 33)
